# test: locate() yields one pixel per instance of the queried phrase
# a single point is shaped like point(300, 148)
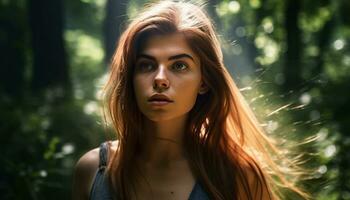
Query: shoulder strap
point(103, 155)
point(198, 193)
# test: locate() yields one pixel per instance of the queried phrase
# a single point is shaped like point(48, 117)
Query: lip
point(159, 103)
point(159, 100)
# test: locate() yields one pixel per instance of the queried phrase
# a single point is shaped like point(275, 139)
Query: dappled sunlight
point(226, 8)
point(87, 47)
point(339, 44)
point(269, 48)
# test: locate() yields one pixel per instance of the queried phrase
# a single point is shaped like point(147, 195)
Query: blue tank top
point(100, 188)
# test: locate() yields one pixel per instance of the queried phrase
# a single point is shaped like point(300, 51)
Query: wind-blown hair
point(229, 153)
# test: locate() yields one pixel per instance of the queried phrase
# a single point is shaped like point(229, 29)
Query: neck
point(164, 143)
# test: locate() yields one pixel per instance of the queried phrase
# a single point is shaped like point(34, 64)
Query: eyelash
point(181, 63)
point(149, 66)
point(144, 66)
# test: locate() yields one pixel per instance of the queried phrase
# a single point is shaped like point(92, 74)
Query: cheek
point(138, 88)
point(188, 93)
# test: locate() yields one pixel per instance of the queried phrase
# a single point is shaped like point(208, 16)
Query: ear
point(203, 89)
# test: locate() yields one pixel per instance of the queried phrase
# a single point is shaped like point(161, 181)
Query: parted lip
point(159, 97)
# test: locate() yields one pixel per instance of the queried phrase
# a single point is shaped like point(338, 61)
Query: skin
point(166, 66)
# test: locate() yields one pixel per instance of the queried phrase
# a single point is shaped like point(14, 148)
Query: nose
point(161, 81)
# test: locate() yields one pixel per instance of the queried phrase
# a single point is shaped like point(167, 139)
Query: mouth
point(159, 99)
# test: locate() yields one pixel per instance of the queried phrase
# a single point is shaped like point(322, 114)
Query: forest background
point(290, 58)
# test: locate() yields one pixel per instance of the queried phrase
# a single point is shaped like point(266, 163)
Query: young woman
point(184, 130)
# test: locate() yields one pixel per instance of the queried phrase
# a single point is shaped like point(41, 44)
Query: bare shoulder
point(113, 146)
point(86, 168)
point(84, 173)
point(88, 161)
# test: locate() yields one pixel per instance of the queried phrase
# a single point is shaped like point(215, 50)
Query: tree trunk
point(12, 51)
point(50, 66)
point(116, 15)
point(344, 7)
point(292, 70)
point(324, 41)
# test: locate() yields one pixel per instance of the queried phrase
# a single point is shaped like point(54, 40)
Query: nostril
point(161, 84)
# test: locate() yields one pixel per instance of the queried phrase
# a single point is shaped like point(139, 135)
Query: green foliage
point(43, 135)
point(41, 142)
point(318, 105)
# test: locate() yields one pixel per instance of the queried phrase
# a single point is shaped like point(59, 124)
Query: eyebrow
point(178, 56)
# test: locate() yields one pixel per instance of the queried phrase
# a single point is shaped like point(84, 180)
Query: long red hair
point(228, 151)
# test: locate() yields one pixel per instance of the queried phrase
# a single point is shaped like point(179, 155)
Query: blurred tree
point(324, 39)
point(13, 40)
point(50, 64)
point(116, 16)
point(344, 6)
point(293, 64)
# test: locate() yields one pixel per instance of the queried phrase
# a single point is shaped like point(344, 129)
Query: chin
point(164, 117)
point(158, 118)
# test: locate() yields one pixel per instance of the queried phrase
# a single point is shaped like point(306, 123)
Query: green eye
point(180, 66)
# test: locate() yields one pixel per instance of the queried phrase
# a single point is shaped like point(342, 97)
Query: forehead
point(167, 45)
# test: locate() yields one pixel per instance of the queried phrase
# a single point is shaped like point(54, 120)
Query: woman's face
point(167, 78)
